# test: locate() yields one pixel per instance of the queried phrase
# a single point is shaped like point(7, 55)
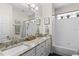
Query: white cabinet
point(48, 47)
point(40, 52)
point(40, 49)
point(29, 53)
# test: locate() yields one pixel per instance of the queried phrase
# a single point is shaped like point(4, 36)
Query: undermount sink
point(41, 35)
point(29, 38)
point(15, 50)
point(34, 42)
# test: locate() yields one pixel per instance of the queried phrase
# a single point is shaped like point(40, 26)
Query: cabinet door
point(40, 49)
point(40, 52)
point(41, 45)
point(29, 53)
point(48, 46)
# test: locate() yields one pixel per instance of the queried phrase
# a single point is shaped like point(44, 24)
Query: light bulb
point(32, 5)
point(36, 8)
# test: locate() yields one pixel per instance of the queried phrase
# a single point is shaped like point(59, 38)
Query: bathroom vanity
point(40, 46)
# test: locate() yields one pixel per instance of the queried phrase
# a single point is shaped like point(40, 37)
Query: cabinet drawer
point(40, 46)
point(29, 53)
point(40, 52)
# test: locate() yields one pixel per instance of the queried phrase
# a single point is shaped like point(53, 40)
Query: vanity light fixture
point(32, 5)
point(77, 15)
point(68, 16)
point(36, 8)
point(61, 17)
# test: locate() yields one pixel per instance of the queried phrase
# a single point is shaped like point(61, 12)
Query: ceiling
point(59, 5)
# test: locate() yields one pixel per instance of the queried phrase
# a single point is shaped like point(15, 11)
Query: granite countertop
point(23, 47)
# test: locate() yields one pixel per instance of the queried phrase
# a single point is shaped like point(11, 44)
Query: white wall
point(47, 11)
point(6, 12)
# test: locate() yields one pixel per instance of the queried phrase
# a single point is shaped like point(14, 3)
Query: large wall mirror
point(29, 28)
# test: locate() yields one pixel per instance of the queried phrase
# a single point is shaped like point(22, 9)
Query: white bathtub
point(63, 50)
